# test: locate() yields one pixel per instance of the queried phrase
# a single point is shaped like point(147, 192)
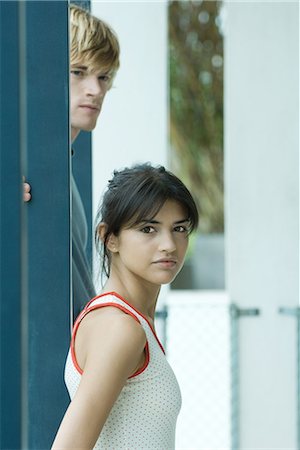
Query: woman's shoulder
point(108, 334)
point(110, 322)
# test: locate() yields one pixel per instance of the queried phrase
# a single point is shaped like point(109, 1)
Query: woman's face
point(153, 250)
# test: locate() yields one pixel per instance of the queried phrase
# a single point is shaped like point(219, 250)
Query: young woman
point(124, 393)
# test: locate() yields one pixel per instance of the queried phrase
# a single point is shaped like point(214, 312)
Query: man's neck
point(74, 133)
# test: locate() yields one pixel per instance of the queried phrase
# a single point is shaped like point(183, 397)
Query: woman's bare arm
point(112, 350)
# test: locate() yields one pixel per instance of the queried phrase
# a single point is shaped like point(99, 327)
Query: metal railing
point(295, 313)
point(236, 313)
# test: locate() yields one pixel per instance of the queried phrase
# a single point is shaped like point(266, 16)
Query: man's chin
point(84, 125)
point(89, 127)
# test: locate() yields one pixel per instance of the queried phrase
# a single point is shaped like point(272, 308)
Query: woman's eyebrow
point(152, 221)
point(181, 221)
point(149, 221)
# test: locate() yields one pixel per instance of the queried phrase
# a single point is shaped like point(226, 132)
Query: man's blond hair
point(93, 42)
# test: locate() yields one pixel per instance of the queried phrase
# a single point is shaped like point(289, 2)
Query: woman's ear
point(112, 243)
point(101, 231)
point(111, 240)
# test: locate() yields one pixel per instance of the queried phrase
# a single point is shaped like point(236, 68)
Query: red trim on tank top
point(86, 311)
point(136, 310)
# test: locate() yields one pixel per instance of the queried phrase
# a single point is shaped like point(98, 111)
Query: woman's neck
point(141, 296)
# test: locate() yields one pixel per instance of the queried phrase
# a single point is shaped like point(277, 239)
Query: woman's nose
point(167, 243)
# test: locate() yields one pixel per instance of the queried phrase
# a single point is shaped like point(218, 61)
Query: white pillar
point(262, 211)
point(133, 123)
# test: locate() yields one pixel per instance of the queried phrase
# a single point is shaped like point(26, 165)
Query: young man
point(94, 61)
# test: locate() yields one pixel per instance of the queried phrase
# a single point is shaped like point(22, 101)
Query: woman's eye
point(181, 229)
point(148, 230)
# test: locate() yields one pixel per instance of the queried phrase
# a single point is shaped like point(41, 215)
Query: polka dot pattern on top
point(145, 413)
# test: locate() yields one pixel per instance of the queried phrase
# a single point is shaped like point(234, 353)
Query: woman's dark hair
point(135, 193)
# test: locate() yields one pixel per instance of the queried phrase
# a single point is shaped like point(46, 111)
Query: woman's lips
point(166, 263)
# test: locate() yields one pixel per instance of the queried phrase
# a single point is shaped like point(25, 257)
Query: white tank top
point(145, 413)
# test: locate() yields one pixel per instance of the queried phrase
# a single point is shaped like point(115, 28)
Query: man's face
point(87, 88)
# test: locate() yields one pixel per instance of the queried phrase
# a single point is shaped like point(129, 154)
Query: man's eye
point(105, 78)
point(77, 73)
point(147, 230)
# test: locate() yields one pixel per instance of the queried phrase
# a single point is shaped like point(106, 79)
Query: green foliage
point(196, 105)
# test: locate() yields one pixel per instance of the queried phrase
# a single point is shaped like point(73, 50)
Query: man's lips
point(91, 107)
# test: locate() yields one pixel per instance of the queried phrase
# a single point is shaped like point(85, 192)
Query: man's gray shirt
point(83, 287)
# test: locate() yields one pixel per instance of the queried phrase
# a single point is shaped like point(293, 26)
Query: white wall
point(133, 123)
point(262, 210)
